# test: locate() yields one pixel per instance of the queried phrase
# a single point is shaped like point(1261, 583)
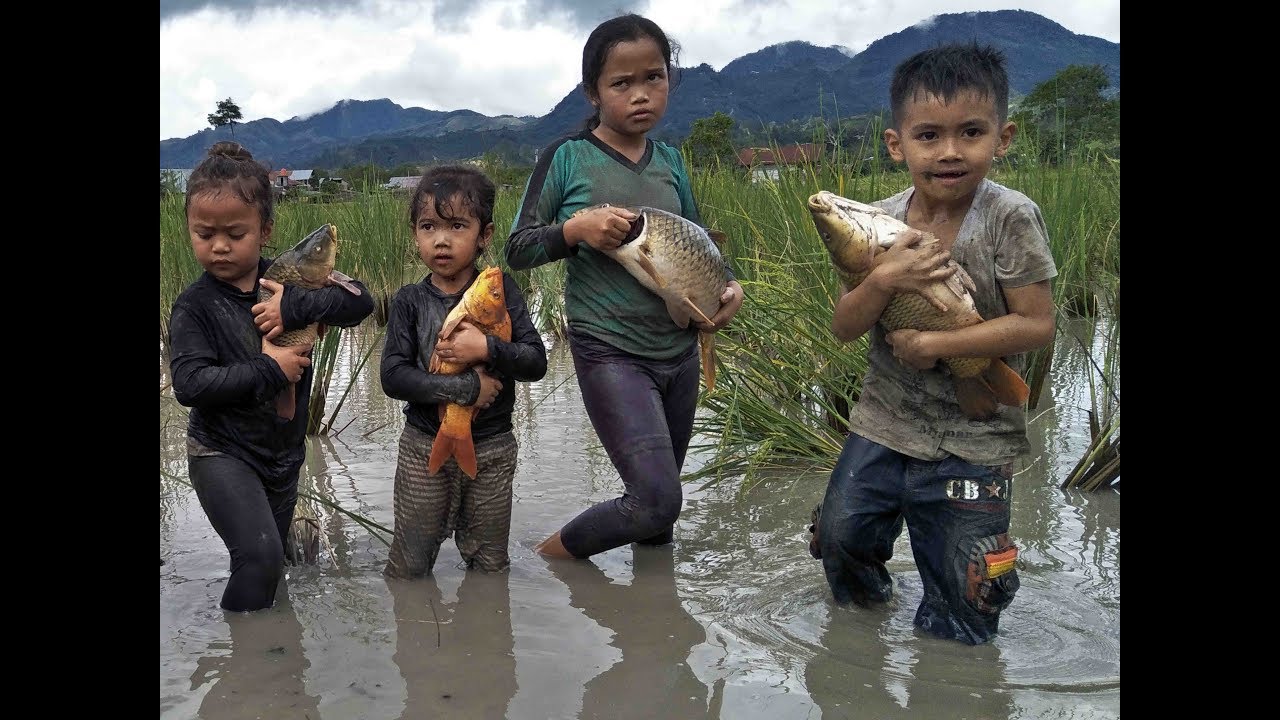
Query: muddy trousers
point(429, 509)
point(252, 516)
point(642, 411)
point(958, 516)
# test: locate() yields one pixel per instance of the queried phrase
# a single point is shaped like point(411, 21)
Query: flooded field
point(734, 620)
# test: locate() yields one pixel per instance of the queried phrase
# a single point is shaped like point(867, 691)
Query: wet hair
point(230, 166)
point(624, 28)
point(949, 70)
point(445, 183)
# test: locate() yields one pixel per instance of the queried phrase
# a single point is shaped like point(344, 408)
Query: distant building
point(285, 178)
point(403, 182)
point(767, 163)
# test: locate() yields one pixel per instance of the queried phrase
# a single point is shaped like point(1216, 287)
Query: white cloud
point(517, 57)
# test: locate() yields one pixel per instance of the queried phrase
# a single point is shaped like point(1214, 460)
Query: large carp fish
point(309, 265)
point(854, 233)
point(679, 261)
point(484, 305)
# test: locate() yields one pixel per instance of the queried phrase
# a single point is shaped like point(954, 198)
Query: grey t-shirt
point(1002, 243)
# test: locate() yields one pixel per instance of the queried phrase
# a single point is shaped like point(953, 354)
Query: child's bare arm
point(1029, 325)
point(908, 266)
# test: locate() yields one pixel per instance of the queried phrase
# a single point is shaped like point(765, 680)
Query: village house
point(403, 182)
point(767, 164)
point(285, 178)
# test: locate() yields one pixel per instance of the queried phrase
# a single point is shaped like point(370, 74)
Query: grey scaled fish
point(680, 262)
point(854, 234)
point(309, 265)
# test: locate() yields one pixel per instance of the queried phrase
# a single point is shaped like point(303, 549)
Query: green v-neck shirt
point(601, 298)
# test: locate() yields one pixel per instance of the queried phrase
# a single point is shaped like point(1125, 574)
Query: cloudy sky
point(282, 58)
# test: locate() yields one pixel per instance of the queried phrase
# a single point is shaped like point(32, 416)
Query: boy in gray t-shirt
point(912, 455)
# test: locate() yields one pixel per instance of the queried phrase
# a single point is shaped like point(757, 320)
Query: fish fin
point(1007, 386)
point(346, 282)
point(434, 366)
point(451, 320)
point(647, 265)
point(287, 402)
point(707, 348)
point(453, 440)
point(678, 314)
point(717, 237)
point(965, 280)
point(696, 310)
point(976, 399)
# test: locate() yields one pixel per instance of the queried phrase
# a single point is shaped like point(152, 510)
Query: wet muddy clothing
point(912, 456)
point(637, 369)
point(221, 373)
point(252, 515)
point(642, 410)
point(1002, 243)
point(429, 509)
point(243, 458)
point(601, 298)
point(417, 313)
point(959, 519)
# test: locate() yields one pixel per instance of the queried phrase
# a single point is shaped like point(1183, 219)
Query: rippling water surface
point(732, 621)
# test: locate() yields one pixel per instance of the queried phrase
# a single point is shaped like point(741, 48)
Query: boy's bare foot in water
point(552, 547)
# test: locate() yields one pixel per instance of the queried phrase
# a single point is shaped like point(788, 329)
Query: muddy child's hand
point(267, 315)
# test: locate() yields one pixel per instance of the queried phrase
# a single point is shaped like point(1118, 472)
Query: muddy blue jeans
point(642, 411)
point(958, 515)
point(252, 517)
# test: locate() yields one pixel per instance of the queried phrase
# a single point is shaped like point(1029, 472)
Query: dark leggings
point(252, 517)
point(642, 411)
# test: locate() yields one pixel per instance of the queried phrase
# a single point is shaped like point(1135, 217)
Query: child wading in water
point(912, 455)
point(452, 219)
point(638, 371)
point(243, 458)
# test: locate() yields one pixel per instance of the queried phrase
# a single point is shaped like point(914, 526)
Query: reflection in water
point(651, 629)
point(870, 667)
point(743, 627)
point(457, 659)
point(262, 675)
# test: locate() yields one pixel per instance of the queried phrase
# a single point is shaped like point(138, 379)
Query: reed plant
point(784, 384)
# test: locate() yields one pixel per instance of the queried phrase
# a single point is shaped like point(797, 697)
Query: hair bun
point(230, 149)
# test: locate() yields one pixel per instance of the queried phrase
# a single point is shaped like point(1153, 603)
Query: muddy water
point(732, 621)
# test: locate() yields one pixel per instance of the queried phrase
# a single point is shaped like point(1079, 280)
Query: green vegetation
point(227, 114)
point(784, 384)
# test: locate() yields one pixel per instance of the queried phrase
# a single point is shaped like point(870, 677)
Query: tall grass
point(784, 384)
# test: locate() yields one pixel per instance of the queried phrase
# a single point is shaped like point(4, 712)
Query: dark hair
point(949, 70)
point(231, 166)
point(446, 182)
point(624, 28)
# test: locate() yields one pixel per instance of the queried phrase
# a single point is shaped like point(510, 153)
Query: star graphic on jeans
point(993, 489)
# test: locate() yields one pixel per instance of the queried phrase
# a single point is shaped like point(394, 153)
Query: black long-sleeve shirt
point(221, 373)
point(417, 313)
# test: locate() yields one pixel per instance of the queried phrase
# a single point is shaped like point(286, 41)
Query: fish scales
point(854, 233)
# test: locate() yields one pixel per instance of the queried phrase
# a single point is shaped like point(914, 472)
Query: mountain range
point(780, 83)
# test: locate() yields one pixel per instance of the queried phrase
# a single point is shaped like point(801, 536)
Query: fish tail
point(707, 349)
point(1008, 386)
point(979, 395)
point(976, 398)
point(453, 440)
point(287, 402)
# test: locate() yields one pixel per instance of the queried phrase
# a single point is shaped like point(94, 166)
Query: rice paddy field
point(733, 620)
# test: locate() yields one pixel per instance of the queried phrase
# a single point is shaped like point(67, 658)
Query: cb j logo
point(973, 489)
